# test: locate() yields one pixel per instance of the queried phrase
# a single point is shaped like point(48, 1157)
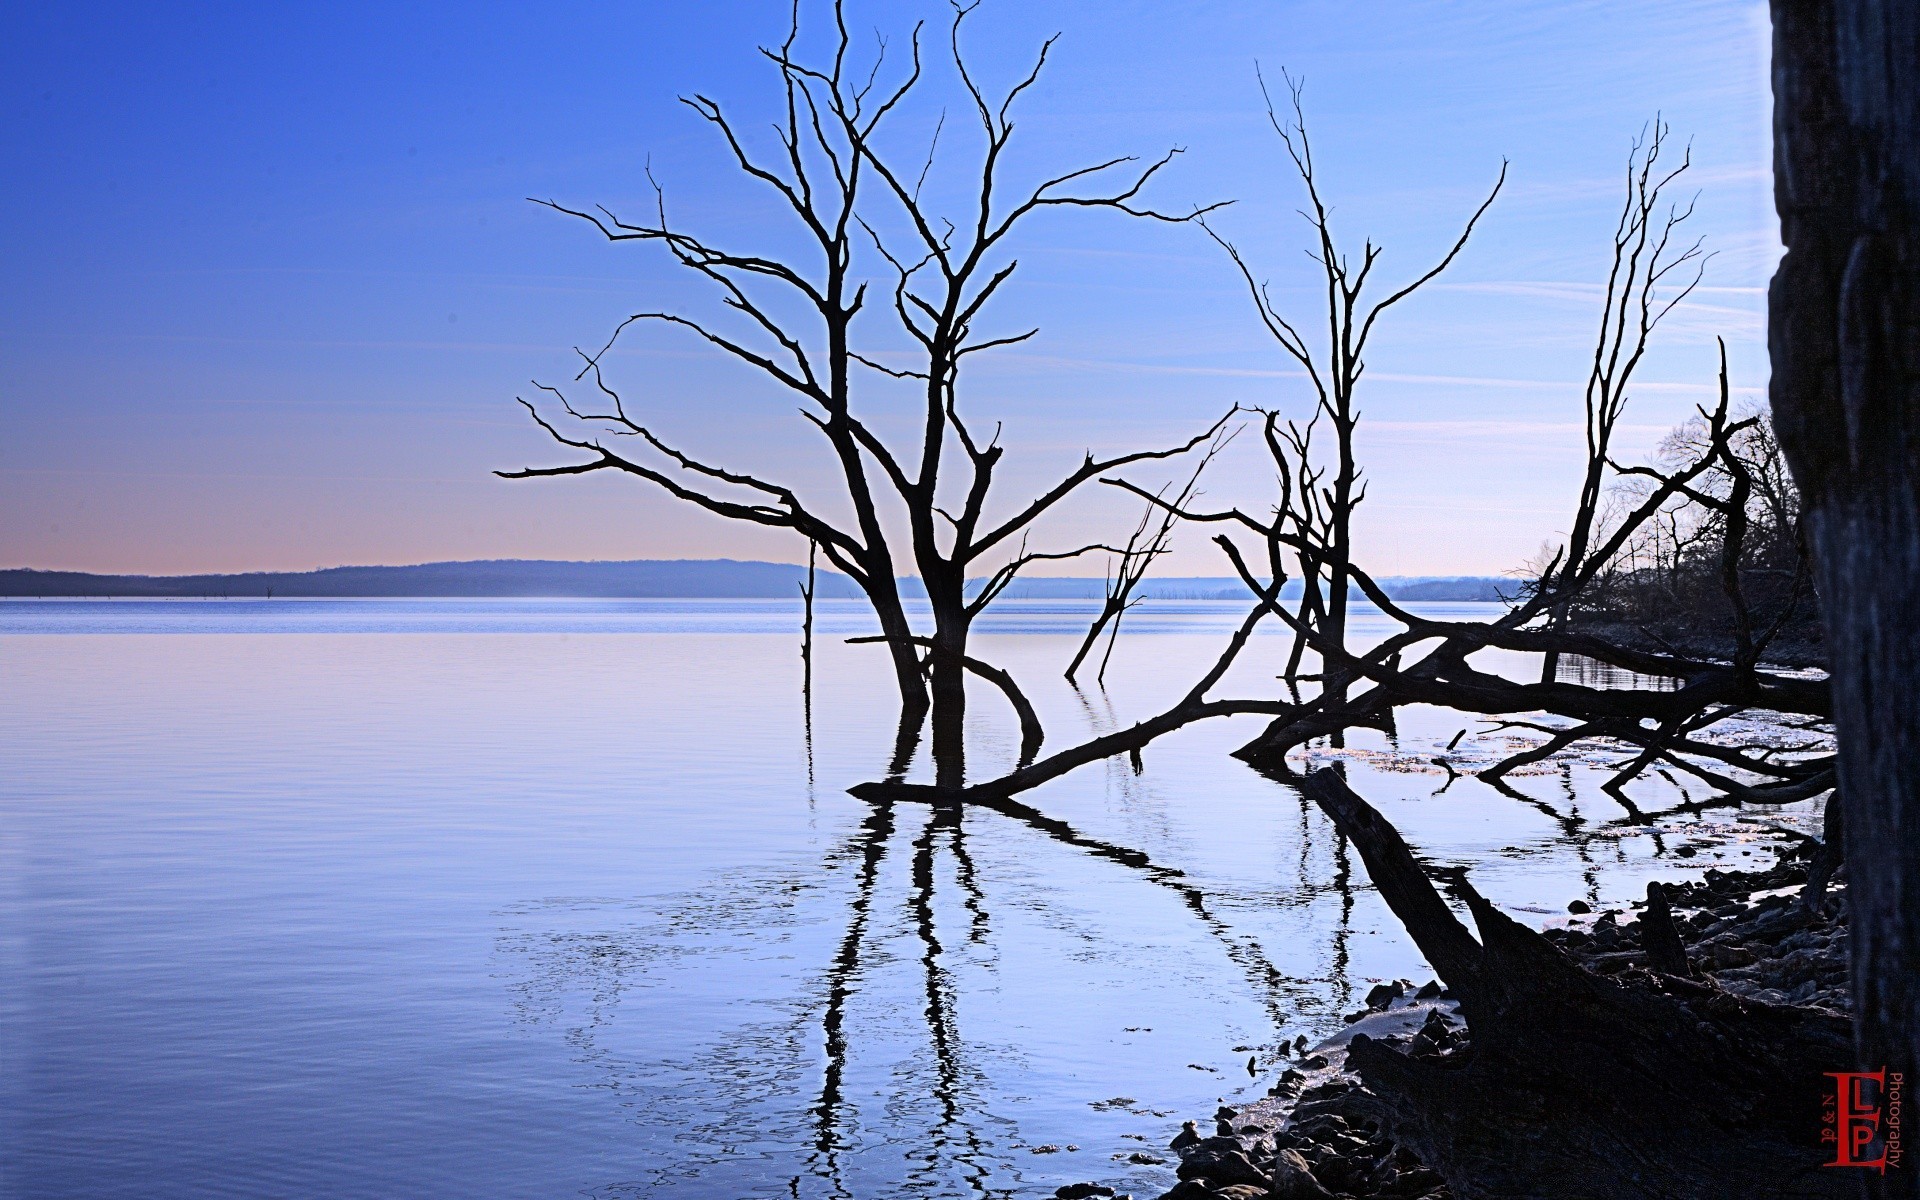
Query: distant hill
point(1465, 587)
point(1226, 587)
point(718, 577)
point(640, 578)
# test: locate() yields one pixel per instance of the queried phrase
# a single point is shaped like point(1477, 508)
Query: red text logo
point(1863, 1118)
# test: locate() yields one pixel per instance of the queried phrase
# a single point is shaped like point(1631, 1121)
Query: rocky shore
point(1757, 934)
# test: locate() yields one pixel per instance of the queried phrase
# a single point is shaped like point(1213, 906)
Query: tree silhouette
point(861, 208)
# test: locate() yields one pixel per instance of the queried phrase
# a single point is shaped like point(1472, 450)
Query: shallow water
point(555, 897)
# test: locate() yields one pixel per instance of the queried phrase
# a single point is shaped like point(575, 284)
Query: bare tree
point(1666, 723)
point(1645, 254)
point(840, 187)
point(1151, 538)
point(1725, 559)
point(807, 590)
point(1334, 371)
point(940, 288)
point(819, 182)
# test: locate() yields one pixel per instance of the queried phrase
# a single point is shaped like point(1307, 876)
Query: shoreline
point(1313, 1137)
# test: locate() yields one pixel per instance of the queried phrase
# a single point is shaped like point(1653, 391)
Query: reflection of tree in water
point(961, 1148)
point(956, 1137)
point(943, 1092)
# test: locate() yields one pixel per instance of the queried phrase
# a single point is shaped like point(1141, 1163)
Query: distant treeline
point(640, 578)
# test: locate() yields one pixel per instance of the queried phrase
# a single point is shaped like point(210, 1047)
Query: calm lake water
point(564, 898)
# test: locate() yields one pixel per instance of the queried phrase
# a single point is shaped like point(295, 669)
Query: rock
point(1428, 990)
point(1141, 1158)
point(1579, 906)
point(1315, 1063)
point(1321, 1127)
point(1081, 1191)
point(1189, 1135)
point(1337, 1172)
point(1222, 1167)
point(1223, 1127)
point(1731, 956)
point(1418, 1181)
point(1223, 1113)
point(1383, 1177)
point(1187, 1189)
point(1241, 1191)
point(1221, 1145)
point(1383, 994)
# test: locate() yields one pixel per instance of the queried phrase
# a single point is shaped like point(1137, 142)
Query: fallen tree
point(1578, 1085)
point(1675, 707)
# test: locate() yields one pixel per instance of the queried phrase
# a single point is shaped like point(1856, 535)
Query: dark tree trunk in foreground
point(1844, 334)
point(1577, 1086)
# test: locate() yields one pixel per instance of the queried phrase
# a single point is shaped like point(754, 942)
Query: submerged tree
point(1329, 491)
point(846, 192)
point(1645, 255)
point(1667, 720)
point(1152, 538)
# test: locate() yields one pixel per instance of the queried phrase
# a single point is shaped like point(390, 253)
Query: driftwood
point(1579, 1086)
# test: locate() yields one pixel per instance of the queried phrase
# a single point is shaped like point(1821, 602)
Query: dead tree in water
point(1644, 255)
point(1428, 661)
point(1151, 538)
point(940, 287)
point(806, 630)
point(939, 275)
point(1578, 1086)
point(1666, 725)
point(1843, 324)
point(1334, 372)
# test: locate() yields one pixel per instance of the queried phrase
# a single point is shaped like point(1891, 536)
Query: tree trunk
point(951, 625)
point(906, 659)
point(1333, 681)
point(1844, 335)
point(1576, 1087)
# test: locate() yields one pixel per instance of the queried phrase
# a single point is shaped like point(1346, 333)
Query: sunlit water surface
point(562, 898)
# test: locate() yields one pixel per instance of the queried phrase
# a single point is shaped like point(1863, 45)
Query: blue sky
point(273, 283)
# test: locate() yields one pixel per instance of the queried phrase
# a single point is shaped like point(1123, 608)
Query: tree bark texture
point(1844, 335)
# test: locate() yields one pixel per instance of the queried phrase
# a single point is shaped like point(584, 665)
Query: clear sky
point(272, 283)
